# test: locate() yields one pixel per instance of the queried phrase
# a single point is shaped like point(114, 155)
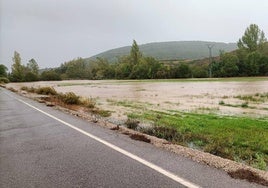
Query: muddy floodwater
point(248, 98)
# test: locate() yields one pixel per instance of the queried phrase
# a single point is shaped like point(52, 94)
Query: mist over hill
point(176, 50)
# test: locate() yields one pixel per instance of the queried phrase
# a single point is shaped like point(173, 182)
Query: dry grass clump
point(46, 91)
point(12, 89)
point(88, 102)
point(40, 90)
point(28, 89)
point(69, 98)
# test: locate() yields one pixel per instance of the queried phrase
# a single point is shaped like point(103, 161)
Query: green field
point(242, 139)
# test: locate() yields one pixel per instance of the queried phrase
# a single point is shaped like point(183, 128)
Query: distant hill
point(180, 50)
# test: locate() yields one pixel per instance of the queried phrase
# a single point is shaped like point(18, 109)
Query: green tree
point(263, 66)
point(33, 66)
point(17, 68)
point(123, 68)
point(50, 75)
point(102, 69)
point(183, 71)
point(3, 70)
point(153, 67)
point(252, 63)
point(135, 53)
point(252, 39)
point(76, 68)
point(31, 71)
point(200, 71)
point(229, 66)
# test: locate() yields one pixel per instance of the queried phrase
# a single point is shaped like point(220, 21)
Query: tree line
point(250, 59)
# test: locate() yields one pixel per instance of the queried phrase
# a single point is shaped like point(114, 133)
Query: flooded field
point(223, 96)
point(224, 117)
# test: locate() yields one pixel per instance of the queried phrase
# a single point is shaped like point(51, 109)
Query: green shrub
point(46, 91)
point(4, 80)
point(168, 133)
point(132, 124)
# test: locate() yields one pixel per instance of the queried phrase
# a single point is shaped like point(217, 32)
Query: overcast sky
point(55, 31)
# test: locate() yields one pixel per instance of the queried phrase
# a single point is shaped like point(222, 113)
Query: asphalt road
point(43, 147)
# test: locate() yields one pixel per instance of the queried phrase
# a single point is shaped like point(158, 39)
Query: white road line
point(122, 151)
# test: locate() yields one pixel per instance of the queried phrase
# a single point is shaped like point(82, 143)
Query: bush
point(46, 91)
point(4, 80)
point(168, 133)
point(132, 124)
point(70, 98)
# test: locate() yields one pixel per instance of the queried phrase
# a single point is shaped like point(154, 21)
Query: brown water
point(184, 96)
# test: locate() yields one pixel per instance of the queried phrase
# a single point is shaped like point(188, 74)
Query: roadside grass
point(242, 139)
point(68, 100)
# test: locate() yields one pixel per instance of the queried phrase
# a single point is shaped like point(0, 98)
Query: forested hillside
point(249, 59)
point(178, 50)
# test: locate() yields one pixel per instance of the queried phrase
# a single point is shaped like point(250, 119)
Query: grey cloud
point(56, 31)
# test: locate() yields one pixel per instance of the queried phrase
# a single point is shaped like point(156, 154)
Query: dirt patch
point(248, 175)
point(140, 137)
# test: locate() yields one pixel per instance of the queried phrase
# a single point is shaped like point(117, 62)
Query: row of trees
point(133, 66)
point(21, 73)
point(25, 73)
point(251, 59)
